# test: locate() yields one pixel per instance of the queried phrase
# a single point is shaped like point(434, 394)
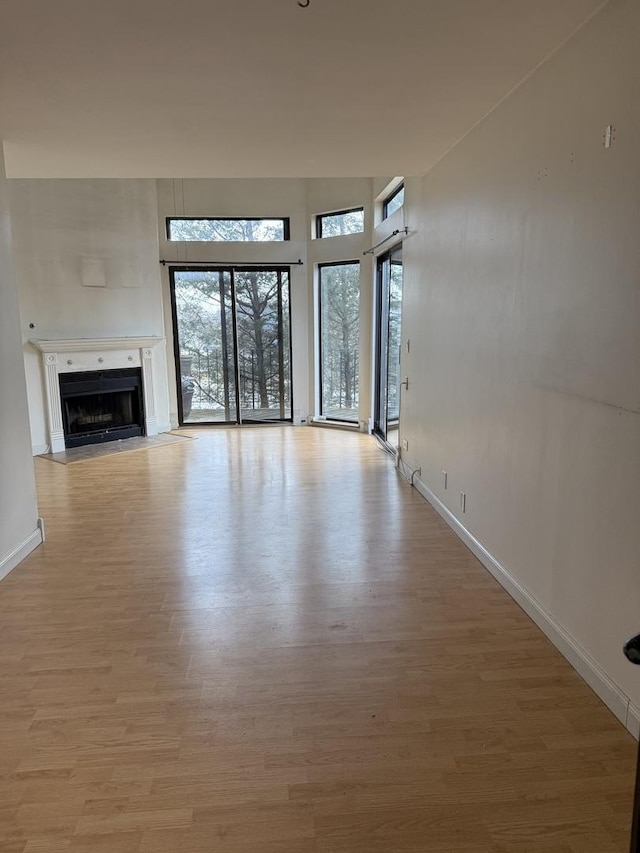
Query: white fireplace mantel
point(80, 354)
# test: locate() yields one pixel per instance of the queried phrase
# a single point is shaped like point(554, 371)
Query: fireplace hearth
point(99, 406)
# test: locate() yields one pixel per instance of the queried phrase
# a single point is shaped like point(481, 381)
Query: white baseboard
point(11, 560)
point(37, 449)
point(633, 720)
point(613, 697)
point(323, 423)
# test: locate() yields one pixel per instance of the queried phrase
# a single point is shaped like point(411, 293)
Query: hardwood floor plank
point(265, 641)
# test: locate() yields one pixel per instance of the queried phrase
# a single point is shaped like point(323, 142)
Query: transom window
point(339, 223)
point(228, 230)
point(393, 202)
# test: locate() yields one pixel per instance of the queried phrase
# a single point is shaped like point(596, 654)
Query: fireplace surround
point(109, 358)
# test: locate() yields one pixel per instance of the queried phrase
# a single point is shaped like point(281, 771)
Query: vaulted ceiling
point(259, 88)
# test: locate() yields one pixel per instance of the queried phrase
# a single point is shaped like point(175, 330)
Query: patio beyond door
point(232, 336)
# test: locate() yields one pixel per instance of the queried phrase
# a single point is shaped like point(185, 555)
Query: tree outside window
point(339, 295)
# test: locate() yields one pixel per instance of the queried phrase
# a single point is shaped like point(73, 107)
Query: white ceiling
point(247, 88)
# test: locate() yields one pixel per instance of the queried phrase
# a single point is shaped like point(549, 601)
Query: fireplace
point(104, 405)
point(129, 362)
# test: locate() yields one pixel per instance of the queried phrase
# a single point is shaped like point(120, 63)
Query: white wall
point(69, 235)
point(522, 304)
point(18, 510)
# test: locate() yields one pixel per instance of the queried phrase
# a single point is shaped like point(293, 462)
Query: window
point(339, 334)
point(339, 223)
point(228, 230)
point(393, 202)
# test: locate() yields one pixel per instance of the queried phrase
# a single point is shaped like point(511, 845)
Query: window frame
point(387, 201)
point(286, 227)
point(320, 267)
point(320, 216)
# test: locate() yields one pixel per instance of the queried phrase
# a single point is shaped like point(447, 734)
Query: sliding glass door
point(233, 344)
point(205, 338)
point(264, 344)
point(388, 346)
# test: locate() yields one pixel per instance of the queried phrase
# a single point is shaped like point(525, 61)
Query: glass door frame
point(381, 352)
point(232, 269)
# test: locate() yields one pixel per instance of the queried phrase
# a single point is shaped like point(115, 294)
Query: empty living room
point(319, 426)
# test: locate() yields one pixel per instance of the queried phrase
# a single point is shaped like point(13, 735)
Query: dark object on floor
point(632, 649)
point(632, 652)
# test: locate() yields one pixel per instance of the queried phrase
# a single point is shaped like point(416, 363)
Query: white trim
point(38, 449)
point(11, 560)
point(633, 720)
point(96, 354)
point(83, 344)
point(613, 697)
point(325, 424)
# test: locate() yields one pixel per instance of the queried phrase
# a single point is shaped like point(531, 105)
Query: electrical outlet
point(445, 478)
point(463, 502)
point(405, 443)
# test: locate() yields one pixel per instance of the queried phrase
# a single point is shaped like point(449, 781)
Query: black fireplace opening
point(101, 405)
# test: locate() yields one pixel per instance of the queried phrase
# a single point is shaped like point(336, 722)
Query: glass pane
point(339, 341)
point(228, 230)
point(382, 360)
point(204, 315)
point(389, 332)
point(395, 341)
point(264, 351)
point(394, 203)
point(337, 224)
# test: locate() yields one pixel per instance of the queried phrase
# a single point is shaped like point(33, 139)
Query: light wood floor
point(265, 641)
